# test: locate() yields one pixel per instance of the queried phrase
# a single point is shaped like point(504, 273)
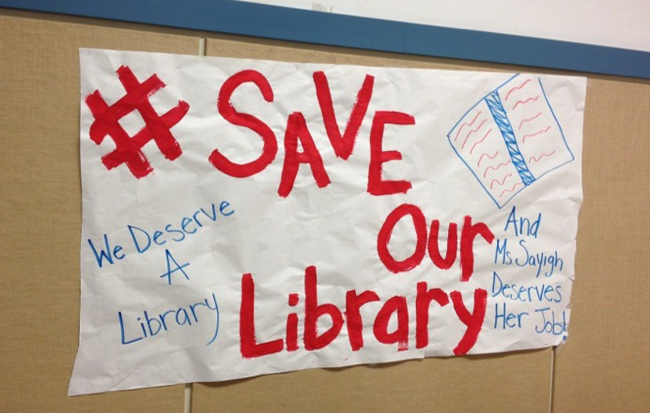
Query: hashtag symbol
point(128, 149)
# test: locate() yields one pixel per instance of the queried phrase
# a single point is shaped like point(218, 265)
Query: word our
point(297, 131)
point(430, 244)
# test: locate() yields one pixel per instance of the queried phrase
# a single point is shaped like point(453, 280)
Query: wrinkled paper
point(245, 217)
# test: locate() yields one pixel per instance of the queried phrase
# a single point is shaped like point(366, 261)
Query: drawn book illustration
point(511, 138)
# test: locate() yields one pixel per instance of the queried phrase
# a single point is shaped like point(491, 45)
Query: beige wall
point(604, 366)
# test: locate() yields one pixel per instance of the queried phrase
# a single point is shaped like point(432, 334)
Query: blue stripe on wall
point(251, 19)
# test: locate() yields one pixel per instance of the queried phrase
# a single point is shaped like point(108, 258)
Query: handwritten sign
point(247, 217)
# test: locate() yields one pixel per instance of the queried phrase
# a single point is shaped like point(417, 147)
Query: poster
point(246, 217)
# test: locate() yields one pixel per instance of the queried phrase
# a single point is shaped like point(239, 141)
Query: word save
point(297, 131)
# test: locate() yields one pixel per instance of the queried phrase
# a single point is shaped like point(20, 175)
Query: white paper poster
point(246, 217)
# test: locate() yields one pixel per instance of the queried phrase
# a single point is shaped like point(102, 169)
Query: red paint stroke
point(343, 144)
point(486, 154)
point(533, 159)
point(473, 321)
point(354, 324)
point(434, 249)
point(517, 88)
point(467, 124)
point(422, 303)
point(500, 183)
point(314, 310)
point(471, 133)
point(474, 146)
point(511, 189)
point(128, 149)
point(469, 233)
point(235, 117)
point(530, 135)
point(496, 168)
point(377, 185)
point(528, 120)
point(297, 131)
point(249, 346)
point(394, 308)
point(386, 232)
point(523, 102)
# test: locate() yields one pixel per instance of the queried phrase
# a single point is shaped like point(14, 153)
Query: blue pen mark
point(555, 118)
point(501, 119)
point(150, 324)
point(510, 138)
point(216, 329)
point(177, 267)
